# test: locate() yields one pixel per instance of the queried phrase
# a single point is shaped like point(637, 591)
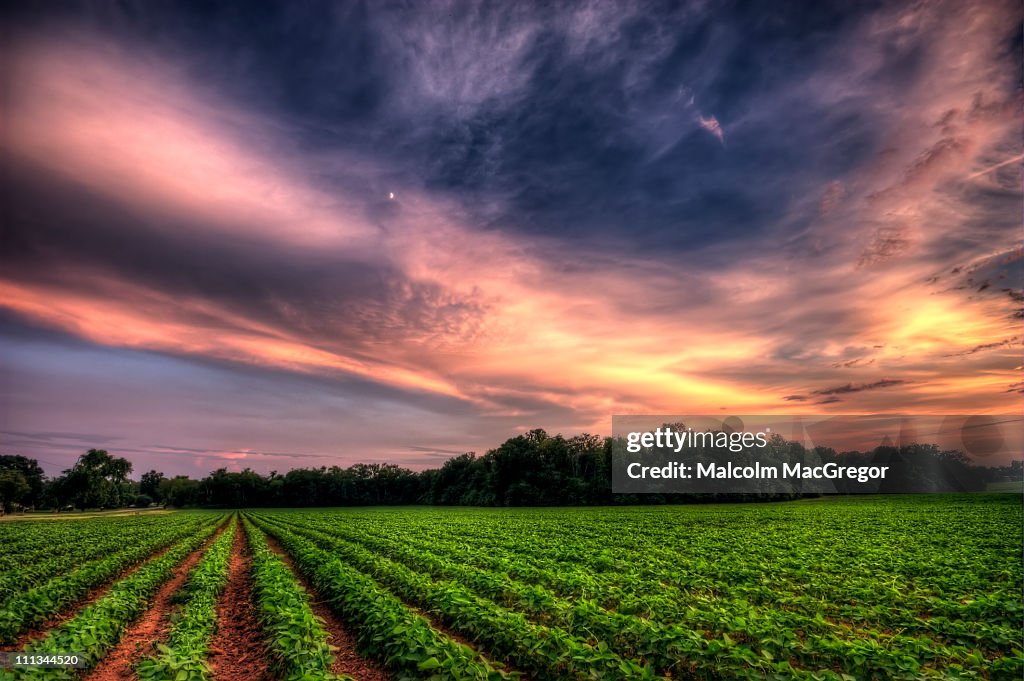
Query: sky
point(280, 235)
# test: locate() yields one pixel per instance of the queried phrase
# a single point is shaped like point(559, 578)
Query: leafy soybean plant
point(98, 627)
point(296, 637)
point(183, 656)
point(866, 588)
point(545, 652)
point(57, 547)
point(677, 646)
point(909, 588)
point(386, 628)
point(35, 605)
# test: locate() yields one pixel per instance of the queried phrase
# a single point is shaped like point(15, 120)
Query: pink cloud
point(712, 126)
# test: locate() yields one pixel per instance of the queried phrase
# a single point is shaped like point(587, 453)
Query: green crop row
point(98, 627)
point(29, 540)
point(296, 636)
point(728, 559)
point(673, 647)
point(542, 651)
point(67, 545)
point(891, 579)
point(36, 605)
point(386, 629)
point(670, 650)
point(183, 657)
point(872, 589)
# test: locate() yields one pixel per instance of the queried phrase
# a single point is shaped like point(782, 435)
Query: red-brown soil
point(152, 627)
point(346, 659)
point(238, 651)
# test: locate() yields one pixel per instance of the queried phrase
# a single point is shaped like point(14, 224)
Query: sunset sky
point(306, 234)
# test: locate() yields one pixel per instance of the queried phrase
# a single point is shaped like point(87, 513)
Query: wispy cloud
point(985, 346)
point(712, 126)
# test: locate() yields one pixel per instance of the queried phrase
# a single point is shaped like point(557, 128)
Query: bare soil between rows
point(238, 651)
point(347, 659)
point(140, 638)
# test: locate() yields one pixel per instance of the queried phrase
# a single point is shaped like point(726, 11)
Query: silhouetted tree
point(14, 489)
point(531, 469)
point(97, 480)
point(31, 472)
point(150, 484)
point(179, 491)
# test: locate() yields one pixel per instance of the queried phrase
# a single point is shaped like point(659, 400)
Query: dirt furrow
point(238, 651)
point(346, 658)
point(152, 627)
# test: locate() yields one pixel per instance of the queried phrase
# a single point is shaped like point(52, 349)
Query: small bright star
point(391, 195)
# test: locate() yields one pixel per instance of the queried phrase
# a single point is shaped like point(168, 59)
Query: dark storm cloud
point(582, 121)
point(605, 134)
point(587, 121)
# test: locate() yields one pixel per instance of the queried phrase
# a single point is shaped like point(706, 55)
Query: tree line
point(532, 469)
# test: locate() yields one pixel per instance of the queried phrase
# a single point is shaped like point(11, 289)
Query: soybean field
point(902, 587)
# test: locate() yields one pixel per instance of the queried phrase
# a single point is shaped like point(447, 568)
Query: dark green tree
point(33, 474)
point(97, 480)
point(179, 491)
point(150, 484)
point(14, 489)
